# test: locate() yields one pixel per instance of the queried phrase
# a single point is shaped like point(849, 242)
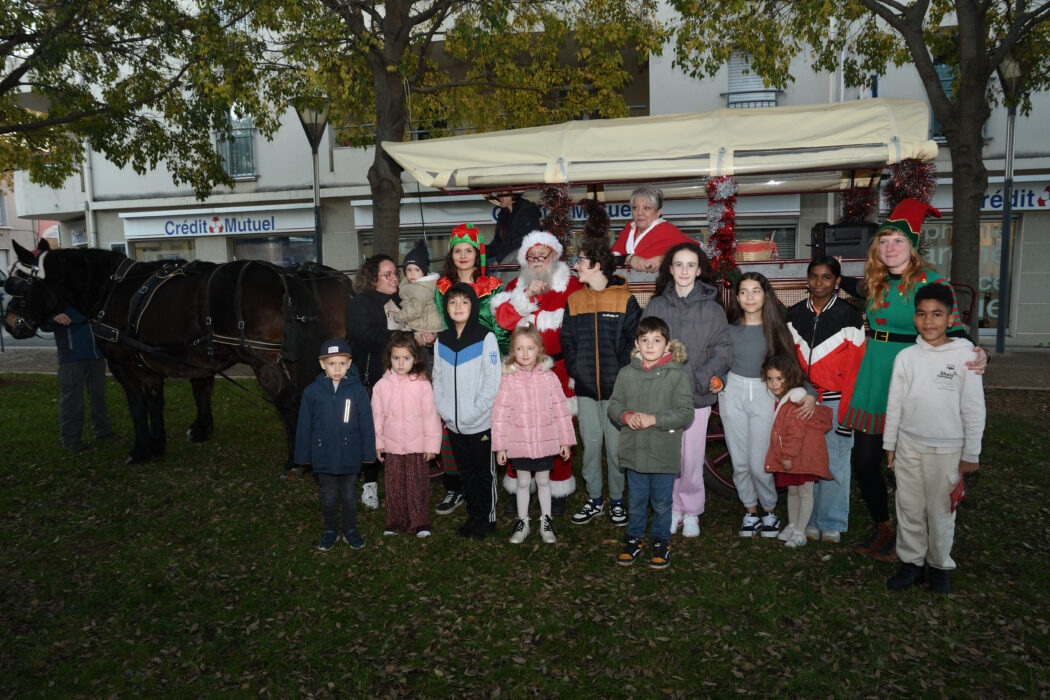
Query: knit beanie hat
point(468, 233)
point(907, 217)
point(418, 256)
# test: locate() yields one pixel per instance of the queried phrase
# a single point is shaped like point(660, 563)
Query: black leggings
point(867, 472)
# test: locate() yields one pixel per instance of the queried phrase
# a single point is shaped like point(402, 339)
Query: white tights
point(800, 504)
point(543, 492)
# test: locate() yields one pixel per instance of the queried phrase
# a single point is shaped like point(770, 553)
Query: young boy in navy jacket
point(467, 374)
point(335, 435)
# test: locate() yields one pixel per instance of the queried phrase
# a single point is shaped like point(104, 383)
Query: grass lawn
point(198, 575)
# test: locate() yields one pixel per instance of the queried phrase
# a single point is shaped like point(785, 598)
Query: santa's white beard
point(527, 275)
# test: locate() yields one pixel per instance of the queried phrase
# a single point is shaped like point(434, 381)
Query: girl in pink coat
point(531, 424)
point(408, 435)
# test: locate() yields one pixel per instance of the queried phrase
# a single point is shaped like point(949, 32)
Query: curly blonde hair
point(875, 283)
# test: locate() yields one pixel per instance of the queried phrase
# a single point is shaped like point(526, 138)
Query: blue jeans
point(338, 490)
point(831, 498)
point(643, 490)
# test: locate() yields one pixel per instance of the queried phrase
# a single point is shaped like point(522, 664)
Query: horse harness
point(143, 296)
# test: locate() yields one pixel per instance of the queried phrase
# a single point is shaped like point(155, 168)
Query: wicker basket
point(755, 250)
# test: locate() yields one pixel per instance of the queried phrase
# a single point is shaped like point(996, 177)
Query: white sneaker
point(423, 533)
point(798, 539)
point(676, 522)
point(369, 495)
point(831, 536)
point(388, 533)
point(547, 530)
point(787, 532)
point(813, 534)
point(521, 531)
point(690, 526)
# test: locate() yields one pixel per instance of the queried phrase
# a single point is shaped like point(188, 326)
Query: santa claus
point(537, 297)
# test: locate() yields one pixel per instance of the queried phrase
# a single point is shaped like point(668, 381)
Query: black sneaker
point(618, 514)
point(328, 540)
point(940, 581)
point(354, 539)
point(588, 512)
point(661, 555)
point(907, 575)
point(452, 500)
point(750, 525)
point(770, 525)
point(632, 547)
point(467, 528)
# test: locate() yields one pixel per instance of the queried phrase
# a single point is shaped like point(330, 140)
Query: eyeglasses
point(582, 259)
point(388, 275)
point(537, 258)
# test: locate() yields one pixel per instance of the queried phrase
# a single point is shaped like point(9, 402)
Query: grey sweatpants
point(746, 407)
point(595, 427)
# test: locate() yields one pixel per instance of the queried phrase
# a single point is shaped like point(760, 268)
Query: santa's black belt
point(886, 336)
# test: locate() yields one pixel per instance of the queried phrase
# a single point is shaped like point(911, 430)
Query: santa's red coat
point(512, 308)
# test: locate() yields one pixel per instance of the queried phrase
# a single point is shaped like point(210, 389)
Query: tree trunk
point(969, 180)
point(384, 176)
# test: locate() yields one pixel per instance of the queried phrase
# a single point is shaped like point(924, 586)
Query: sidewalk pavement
point(1017, 368)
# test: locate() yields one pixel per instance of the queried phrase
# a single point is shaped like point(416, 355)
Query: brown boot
point(887, 551)
point(880, 534)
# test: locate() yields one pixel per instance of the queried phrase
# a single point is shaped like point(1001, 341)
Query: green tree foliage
point(141, 81)
point(867, 36)
point(450, 66)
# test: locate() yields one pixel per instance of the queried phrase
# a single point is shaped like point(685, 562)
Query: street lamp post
point(314, 122)
point(1010, 76)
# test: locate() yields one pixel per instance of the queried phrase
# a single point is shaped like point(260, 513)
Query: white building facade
point(269, 214)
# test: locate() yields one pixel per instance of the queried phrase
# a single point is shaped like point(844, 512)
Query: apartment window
point(238, 150)
point(745, 86)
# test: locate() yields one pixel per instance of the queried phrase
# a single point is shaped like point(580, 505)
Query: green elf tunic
point(485, 287)
point(892, 329)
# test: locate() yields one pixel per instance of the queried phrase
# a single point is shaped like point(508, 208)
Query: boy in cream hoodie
point(934, 423)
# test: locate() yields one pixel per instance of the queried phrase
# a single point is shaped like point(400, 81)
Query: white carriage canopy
point(808, 148)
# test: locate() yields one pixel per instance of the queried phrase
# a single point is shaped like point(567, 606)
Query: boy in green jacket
point(652, 403)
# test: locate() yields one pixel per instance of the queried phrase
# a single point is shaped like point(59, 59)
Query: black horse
point(177, 319)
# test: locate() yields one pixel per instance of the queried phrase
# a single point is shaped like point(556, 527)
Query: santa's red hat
point(907, 217)
point(543, 238)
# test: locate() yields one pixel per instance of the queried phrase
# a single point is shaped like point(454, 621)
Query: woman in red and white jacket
point(829, 340)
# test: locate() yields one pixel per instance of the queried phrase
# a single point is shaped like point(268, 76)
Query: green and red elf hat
point(466, 233)
point(907, 217)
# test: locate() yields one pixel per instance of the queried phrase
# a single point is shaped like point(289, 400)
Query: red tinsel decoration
point(915, 179)
point(597, 225)
point(721, 219)
point(858, 205)
point(911, 178)
point(558, 220)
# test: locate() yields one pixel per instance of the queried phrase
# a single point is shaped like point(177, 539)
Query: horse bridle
point(20, 281)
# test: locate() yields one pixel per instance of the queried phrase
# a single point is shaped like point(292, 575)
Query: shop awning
point(816, 147)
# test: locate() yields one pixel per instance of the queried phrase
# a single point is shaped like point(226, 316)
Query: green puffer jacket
point(664, 391)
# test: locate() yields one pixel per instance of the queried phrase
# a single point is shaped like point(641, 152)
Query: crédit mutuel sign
point(265, 220)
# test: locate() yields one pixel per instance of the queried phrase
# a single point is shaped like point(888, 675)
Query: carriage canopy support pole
point(314, 122)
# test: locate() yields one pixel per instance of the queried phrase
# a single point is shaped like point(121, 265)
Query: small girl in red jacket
point(531, 424)
point(798, 453)
point(408, 435)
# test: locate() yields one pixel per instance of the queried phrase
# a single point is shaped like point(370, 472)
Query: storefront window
point(938, 241)
point(279, 250)
point(149, 251)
